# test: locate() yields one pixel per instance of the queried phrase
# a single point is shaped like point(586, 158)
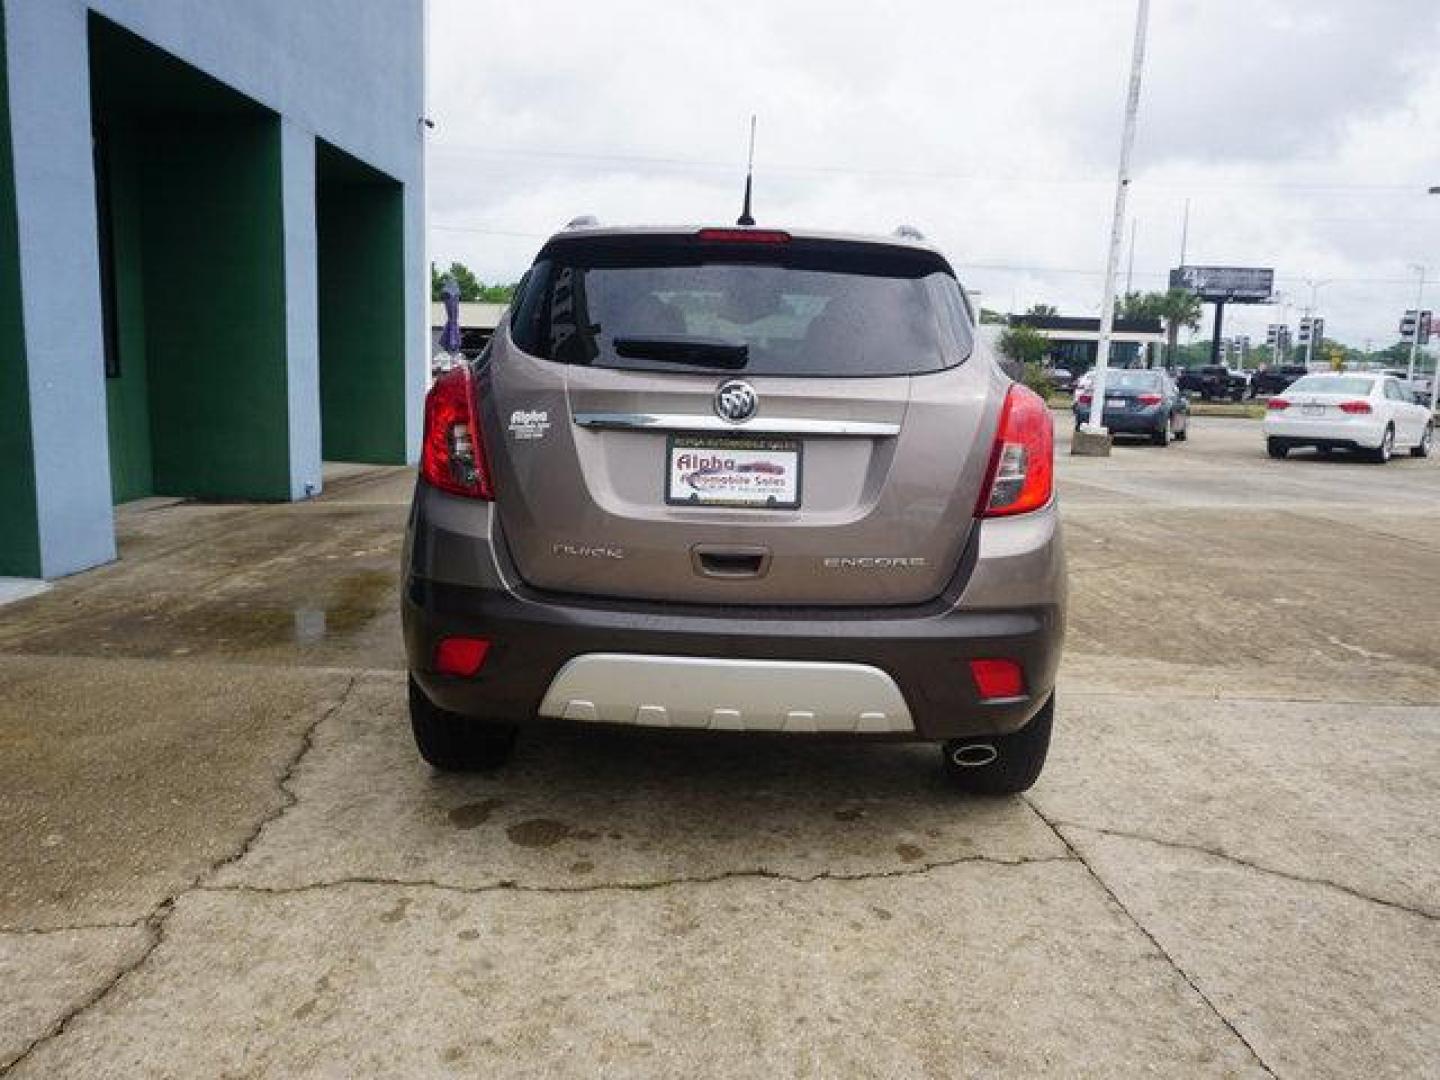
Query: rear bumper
point(1128, 421)
point(1012, 605)
point(1339, 434)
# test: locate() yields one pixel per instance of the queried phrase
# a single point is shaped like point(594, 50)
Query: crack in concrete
point(155, 921)
point(1301, 879)
point(1154, 941)
point(289, 799)
point(40, 931)
point(511, 885)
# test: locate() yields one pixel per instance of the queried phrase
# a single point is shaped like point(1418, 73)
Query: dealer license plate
point(1115, 403)
point(744, 472)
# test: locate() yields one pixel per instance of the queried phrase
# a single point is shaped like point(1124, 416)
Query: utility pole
point(1130, 266)
point(1310, 316)
point(1096, 426)
point(1415, 337)
point(1184, 232)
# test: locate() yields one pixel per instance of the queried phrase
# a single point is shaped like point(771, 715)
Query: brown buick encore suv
point(737, 479)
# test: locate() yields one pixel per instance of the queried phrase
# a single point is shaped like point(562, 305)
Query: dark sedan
point(1140, 402)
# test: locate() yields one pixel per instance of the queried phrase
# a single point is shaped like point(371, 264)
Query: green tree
point(1024, 344)
point(471, 287)
point(1177, 308)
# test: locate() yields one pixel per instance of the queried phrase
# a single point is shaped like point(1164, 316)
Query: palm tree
point(1177, 308)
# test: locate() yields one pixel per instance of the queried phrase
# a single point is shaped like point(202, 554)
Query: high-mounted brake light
point(1022, 461)
point(453, 456)
point(1275, 404)
point(743, 236)
point(1354, 407)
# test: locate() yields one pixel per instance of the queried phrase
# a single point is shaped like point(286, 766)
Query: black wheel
point(455, 743)
point(1386, 450)
point(1427, 440)
point(1275, 448)
point(1001, 764)
point(1161, 435)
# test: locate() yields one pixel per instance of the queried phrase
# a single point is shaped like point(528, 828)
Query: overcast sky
point(1303, 132)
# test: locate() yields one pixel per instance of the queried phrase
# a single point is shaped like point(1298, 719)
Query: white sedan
point(1369, 413)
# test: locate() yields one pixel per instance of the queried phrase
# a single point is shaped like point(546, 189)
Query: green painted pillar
point(215, 322)
point(19, 524)
point(362, 295)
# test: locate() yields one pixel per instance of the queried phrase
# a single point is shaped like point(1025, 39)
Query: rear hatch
point(738, 418)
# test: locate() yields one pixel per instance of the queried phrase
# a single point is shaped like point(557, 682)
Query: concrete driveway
point(222, 857)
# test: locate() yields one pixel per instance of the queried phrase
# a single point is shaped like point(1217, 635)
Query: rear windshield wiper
point(704, 352)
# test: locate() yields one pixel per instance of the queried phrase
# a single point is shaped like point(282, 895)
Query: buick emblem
point(736, 401)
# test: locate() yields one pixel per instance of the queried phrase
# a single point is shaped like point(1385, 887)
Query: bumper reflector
point(462, 656)
point(995, 679)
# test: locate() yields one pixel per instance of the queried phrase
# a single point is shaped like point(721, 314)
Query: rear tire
point(1019, 757)
point(1426, 441)
point(454, 743)
point(1275, 448)
point(1383, 453)
point(1161, 435)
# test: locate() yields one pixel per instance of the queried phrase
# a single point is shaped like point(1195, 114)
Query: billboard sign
point(1227, 284)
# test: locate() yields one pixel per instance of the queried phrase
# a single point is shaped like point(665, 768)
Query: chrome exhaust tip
point(972, 755)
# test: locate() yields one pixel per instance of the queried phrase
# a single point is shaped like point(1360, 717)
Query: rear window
point(1332, 384)
point(798, 309)
point(1119, 379)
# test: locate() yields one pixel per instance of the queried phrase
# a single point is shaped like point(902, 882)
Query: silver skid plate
point(726, 695)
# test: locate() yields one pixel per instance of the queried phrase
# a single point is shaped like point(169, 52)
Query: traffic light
point(1410, 321)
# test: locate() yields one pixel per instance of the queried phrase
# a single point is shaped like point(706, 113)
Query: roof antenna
point(745, 216)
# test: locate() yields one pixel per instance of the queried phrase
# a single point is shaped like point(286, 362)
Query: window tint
point(1332, 384)
point(791, 310)
point(1133, 380)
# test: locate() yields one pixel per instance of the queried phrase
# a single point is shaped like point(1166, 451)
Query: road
point(222, 857)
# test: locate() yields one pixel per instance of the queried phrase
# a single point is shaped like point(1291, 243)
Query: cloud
point(1301, 133)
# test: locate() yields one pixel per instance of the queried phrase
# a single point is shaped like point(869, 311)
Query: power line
point(579, 157)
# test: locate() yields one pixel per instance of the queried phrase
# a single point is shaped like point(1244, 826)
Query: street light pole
point(1310, 315)
point(1096, 425)
point(1415, 334)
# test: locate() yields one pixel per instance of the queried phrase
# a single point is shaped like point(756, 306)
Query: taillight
point(1354, 407)
point(1275, 404)
point(1084, 399)
point(453, 456)
point(1022, 462)
point(1150, 399)
point(743, 236)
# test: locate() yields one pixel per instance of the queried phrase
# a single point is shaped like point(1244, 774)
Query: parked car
point(1140, 402)
point(1273, 378)
point(1214, 382)
point(1418, 388)
point(1371, 414)
point(1061, 379)
point(737, 479)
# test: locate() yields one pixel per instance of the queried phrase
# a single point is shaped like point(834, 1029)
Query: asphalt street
point(222, 857)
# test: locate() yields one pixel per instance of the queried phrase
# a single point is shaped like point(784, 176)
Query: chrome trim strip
point(762, 425)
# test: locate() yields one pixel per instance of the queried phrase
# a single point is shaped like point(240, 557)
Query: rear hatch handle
point(734, 561)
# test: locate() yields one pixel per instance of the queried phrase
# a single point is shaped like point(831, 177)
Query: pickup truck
point(1214, 381)
point(1274, 378)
